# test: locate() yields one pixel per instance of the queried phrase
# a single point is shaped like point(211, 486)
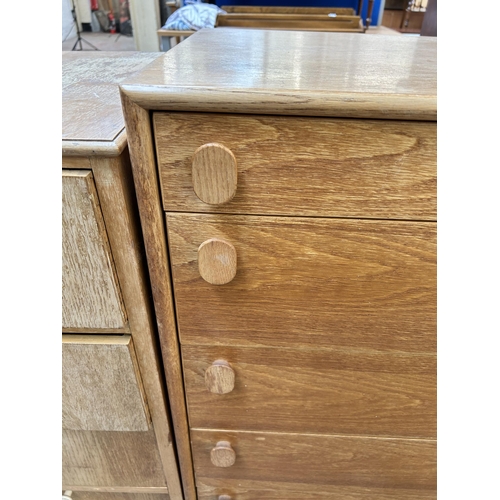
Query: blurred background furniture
point(405, 16)
point(331, 18)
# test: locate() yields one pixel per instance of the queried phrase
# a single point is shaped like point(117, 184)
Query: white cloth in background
point(194, 17)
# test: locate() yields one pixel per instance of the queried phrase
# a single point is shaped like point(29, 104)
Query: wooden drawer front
point(98, 495)
point(91, 294)
point(102, 388)
point(325, 462)
point(315, 391)
point(304, 282)
point(110, 459)
point(304, 166)
point(238, 489)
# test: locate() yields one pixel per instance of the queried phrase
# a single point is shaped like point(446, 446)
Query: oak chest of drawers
point(287, 193)
point(117, 441)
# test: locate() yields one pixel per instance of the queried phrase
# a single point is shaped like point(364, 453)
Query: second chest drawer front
point(302, 166)
point(314, 391)
point(308, 283)
point(101, 384)
point(90, 289)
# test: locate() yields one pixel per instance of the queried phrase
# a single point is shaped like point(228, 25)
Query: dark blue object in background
point(353, 4)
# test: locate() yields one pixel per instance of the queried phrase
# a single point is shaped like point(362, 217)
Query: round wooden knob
point(217, 261)
point(223, 455)
point(215, 174)
point(219, 378)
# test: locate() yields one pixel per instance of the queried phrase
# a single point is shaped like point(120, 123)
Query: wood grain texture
point(91, 294)
point(240, 489)
point(91, 111)
point(319, 460)
point(145, 179)
point(98, 331)
point(214, 174)
point(222, 455)
point(218, 377)
point(287, 10)
point(114, 182)
point(217, 261)
point(91, 495)
point(333, 74)
point(302, 22)
point(76, 162)
point(101, 385)
point(308, 282)
point(118, 459)
point(327, 391)
point(145, 490)
point(305, 166)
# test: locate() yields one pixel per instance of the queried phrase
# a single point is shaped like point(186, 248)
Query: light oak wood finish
point(286, 10)
point(307, 269)
point(214, 173)
point(325, 79)
point(143, 160)
point(305, 166)
point(240, 489)
point(92, 118)
point(219, 377)
point(111, 459)
point(101, 385)
point(146, 490)
point(98, 143)
point(308, 282)
point(114, 181)
point(222, 455)
point(323, 461)
point(302, 22)
point(91, 293)
point(89, 495)
point(94, 331)
point(217, 261)
point(333, 391)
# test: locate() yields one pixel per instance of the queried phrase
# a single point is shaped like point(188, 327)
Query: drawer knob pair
point(215, 174)
point(223, 455)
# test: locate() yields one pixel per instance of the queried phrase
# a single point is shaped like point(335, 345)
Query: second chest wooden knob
point(223, 455)
point(217, 261)
point(219, 378)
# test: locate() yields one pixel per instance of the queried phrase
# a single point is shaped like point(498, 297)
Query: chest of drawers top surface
point(91, 111)
point(289, 72)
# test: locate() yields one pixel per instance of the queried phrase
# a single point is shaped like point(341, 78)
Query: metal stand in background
point(368, 22)
point(79, 39)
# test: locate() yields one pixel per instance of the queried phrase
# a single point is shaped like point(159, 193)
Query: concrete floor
point(101, 40)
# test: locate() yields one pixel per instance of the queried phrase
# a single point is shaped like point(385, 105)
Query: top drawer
point(298, 166)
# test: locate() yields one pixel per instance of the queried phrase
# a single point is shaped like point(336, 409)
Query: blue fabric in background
point(353, 4)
